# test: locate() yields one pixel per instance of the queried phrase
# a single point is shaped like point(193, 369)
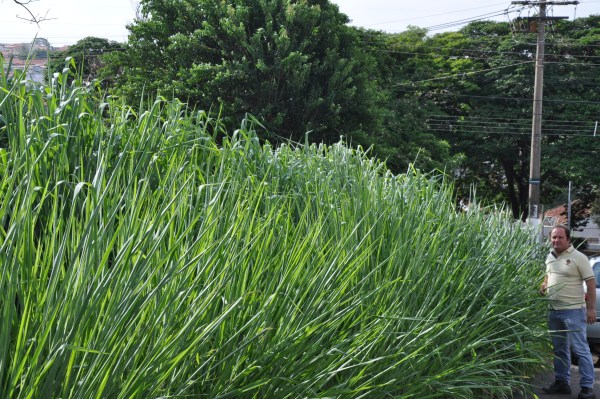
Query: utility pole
point(569, 207)
point(537, 24)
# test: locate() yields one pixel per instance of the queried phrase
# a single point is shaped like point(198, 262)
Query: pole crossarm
point(540, 18)
point(541, 2)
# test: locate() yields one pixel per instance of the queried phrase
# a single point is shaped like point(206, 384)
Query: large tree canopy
point(87, 55)
point(481, 80)
point(294, 65)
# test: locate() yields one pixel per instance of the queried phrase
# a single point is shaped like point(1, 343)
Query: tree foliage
point(405, 112)
point(294, 65)
point(595, 208)
point(87, 55)
point(481, 79)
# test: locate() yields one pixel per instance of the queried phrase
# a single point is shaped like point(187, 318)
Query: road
point(546, 379)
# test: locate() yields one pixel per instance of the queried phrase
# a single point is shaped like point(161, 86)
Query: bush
point(141, 259)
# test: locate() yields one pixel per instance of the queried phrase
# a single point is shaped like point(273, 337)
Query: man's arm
point(544, 286)
point(590, 301)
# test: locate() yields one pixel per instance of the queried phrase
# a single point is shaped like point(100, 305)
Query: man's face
point(559, 240)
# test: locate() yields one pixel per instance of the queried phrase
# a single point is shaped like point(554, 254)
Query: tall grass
point(141, 260)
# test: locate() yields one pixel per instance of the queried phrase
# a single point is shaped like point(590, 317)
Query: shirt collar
point(568, 251)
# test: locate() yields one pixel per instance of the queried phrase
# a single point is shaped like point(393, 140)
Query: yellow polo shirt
point(566, 274)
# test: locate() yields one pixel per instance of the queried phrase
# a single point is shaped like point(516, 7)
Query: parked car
point(593, 331)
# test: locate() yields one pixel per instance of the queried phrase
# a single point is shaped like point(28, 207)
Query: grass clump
point(142, 259)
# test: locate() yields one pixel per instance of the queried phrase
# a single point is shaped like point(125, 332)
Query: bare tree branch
point(32, 18)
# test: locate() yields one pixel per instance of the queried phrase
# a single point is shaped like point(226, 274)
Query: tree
point(489, 128)
point(294, 65)
point(481, 79)
point(443, 73)
point(405, 138)
point(595, 207)
point(87, 55)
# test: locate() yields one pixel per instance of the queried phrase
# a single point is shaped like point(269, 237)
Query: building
point(19, 54)
point(36, 67)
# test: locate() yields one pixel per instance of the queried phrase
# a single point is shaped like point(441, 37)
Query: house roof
point(559, 213)
point(19, 62)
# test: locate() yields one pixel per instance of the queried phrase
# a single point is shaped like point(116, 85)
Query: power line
point(546, 100)
point(493, 119)
point(509, 126)
point(435, 15)
point(440, 128)
point(461, 22)
point(486, 130)
point(503, 125)
point(464, 73)
point(466, 53)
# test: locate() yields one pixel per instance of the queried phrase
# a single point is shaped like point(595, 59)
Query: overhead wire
point(521, 129)
point(465, 21)
point(466, 53)
point(467, 122)
point(468, 73)
point(509, 126)
point(504, 119)
point(435, 15)
point(546, 100)
point(443, 129)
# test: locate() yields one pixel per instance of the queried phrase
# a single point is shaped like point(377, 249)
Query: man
point(569, 309)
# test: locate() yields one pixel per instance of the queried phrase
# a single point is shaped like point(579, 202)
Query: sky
point(68, 21)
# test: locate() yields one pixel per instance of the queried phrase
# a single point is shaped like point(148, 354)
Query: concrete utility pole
point(537, 24)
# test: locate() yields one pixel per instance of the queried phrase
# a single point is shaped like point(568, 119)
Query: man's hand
point(591, 315)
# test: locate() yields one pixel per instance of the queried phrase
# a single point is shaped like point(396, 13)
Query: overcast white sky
point(71, 20)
